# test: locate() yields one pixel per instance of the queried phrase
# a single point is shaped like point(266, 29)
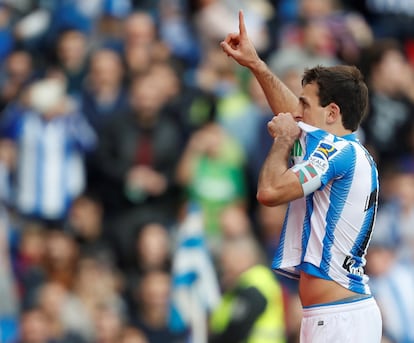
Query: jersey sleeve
point(326, 162)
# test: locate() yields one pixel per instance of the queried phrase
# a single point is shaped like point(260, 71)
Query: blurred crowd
point(118, 115)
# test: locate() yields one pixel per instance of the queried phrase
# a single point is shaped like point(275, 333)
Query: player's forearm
point(271, 178)
point(279, 96)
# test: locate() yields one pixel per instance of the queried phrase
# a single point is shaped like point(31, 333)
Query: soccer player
point(318, 166)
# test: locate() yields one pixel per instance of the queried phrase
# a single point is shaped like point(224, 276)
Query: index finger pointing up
point(242, 26)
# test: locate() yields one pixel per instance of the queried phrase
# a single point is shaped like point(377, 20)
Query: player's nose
point(297, 115)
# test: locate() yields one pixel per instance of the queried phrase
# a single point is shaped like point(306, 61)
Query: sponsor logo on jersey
point(350, 265)
point(321, 156)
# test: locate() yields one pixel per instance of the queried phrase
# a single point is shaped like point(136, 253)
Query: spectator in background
point(234, 222)
point(17, 71)
point(51, 138)
point(139, 36)
point(348, 31)
point(316, 46)
point(53, 299)
point(30, 262)
point(141, 44)
point(103, 94)
point(33, 326)
point(138, 59)
point(252, 305)
point(72, 58)
point(190, 109)
point(392, 282)
point(170, 86)
point(211, 171)
point(140, 29)
point(151, 311)
point(177, 31)
point(186, 102)
point(388, 19)
point(109, 324)
point(61, 261)
point(46, 258)
point(97, 289)
point(152, 251)
point(389, 124)
point(137, 157)
point(85, 221)
point(396, 215)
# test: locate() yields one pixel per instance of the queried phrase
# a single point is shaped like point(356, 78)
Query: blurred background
point(130, 148)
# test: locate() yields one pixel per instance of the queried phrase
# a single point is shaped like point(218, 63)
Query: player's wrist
point(285, 140)
point(257, 66)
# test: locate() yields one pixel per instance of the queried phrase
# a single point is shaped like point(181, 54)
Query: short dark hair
point(343, 85)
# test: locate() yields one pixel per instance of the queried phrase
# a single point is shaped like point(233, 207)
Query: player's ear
point(334, 113)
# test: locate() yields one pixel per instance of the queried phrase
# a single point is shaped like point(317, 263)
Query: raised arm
point(277, 183)
point(239, 47)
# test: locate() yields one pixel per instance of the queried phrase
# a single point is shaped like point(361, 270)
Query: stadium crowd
point(120, 118)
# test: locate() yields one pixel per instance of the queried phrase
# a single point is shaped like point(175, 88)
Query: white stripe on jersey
point(53, 167)
point(28, 156)
point(326, 233)
point(50, 170)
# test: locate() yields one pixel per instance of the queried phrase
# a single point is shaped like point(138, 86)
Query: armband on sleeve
point(308, 177)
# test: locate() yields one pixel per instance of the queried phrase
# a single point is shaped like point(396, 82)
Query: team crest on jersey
point(325, 150)
point(321, 156)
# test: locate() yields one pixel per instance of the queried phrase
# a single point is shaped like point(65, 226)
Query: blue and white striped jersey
point(326, 233)
point(50, 166)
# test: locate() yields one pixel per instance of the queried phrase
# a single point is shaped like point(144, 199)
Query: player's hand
point(284, 125)
point(239, 47)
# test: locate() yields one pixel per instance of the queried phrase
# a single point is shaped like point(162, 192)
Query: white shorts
point(356, 321)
